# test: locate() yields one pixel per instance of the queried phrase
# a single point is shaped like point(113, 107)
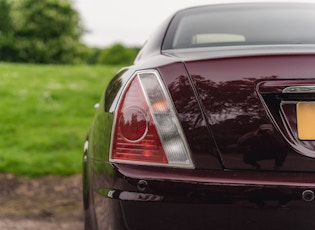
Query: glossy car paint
point(251, 170)
point(247, 104)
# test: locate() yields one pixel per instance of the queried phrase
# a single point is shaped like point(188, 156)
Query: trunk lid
point(255, 106)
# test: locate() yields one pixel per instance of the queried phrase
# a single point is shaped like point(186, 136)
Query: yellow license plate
point(305, 112)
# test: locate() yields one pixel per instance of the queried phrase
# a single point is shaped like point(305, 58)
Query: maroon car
point(213, 127)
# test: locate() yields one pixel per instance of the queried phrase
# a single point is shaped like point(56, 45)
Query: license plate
point(305, 112)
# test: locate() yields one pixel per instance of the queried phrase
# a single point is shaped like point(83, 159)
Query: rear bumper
point(215, 216)
point(120, 198)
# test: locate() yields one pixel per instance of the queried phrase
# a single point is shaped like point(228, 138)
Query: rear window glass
point(228, 26)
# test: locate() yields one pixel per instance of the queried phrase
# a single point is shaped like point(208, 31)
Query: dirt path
point(50, 202)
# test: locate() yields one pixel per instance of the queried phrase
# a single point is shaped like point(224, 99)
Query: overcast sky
point(131, 21)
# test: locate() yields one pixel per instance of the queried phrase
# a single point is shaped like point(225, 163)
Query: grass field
point(46, 111)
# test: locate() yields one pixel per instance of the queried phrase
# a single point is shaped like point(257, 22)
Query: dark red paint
point(250, 169)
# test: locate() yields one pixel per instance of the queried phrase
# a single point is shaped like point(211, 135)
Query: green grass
point(46, 111)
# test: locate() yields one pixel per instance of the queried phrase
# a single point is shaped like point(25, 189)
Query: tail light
point(146, 129)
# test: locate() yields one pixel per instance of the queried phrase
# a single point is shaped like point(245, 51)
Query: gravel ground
point(28, 224)
point(50, 202)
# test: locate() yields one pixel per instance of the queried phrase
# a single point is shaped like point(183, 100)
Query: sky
point(131, 22)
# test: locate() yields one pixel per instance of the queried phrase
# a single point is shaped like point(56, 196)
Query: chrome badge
point(299, 89)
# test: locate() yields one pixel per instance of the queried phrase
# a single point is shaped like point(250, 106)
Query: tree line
point(49, 31)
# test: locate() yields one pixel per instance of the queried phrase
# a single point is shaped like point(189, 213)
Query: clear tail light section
point(147, 130)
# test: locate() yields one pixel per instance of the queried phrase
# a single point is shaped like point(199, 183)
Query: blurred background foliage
point(49, 31)
point(50, 81)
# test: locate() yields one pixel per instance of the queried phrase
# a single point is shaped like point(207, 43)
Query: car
point(212, 127)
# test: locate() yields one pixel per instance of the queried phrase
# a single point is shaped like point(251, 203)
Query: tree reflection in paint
point(232, 109)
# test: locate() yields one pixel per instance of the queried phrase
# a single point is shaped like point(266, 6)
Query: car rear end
point(206, 138)
point(244, 164)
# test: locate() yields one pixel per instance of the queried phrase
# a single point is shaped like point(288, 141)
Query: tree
point(5, 17)
point(118, 54)
point(47, 31)
point(7, 45)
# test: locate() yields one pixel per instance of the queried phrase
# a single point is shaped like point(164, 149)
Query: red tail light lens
point(133, 124)
point(146, 129)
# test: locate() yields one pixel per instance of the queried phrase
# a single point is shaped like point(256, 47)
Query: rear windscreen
point(228, 26)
